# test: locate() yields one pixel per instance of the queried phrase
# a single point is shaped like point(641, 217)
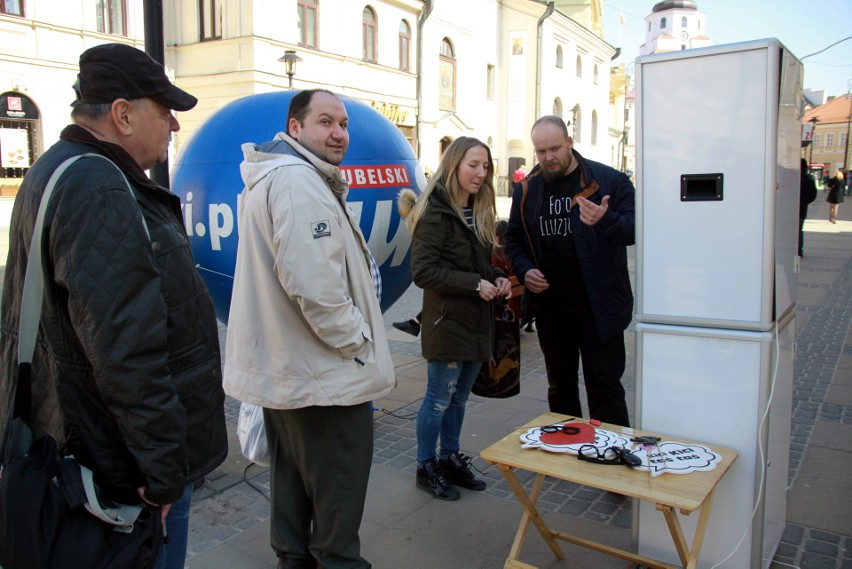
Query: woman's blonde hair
point(445, 180)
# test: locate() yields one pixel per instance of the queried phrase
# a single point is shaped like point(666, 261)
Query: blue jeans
point(173, 554)
point(441, 414)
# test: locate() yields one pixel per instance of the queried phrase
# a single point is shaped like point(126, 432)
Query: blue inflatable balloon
point(206, 176)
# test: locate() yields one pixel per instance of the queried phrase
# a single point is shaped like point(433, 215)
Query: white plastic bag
point(252, 434)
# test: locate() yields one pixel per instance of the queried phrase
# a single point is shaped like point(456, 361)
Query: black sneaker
point(411, 326)
point(457, 467)
point(432, 479)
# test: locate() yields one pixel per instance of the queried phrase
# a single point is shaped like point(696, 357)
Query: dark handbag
point(501, 377)
point(51, 515)
point(39, 528)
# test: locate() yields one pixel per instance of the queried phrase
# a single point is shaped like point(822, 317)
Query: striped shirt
point(468, 217)
point(377, 277)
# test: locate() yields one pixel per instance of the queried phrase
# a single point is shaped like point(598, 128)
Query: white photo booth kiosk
point(717, 227)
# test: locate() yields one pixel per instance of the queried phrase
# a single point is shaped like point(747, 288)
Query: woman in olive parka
point(452, 225)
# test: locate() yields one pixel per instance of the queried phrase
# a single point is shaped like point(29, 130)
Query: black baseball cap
point(118, 71)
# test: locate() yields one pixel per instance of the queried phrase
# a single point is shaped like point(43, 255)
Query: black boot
point(411, 326)
point(457, 467)
point(431, 478)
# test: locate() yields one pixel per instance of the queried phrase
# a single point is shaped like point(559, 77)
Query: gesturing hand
point(590, 212)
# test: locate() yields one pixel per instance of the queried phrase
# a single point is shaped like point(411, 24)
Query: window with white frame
point(210, 19)
point(447, 76)
point(404, 45)
point(557, 107)
point(594, 126)
point(308, 23)
point(12, 7)
point(491, 82)
point(579, 66)
point(111, 15)
point(369, 26)
point(559, 56)
point(829, 140)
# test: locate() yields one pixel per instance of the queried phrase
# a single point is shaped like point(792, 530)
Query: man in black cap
point(126, 371)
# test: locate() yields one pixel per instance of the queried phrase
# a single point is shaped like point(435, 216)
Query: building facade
point(460, 69)
point(438, 69)
point(552, 65)
point(831, 123)
point(40, 46)
point(224, 50)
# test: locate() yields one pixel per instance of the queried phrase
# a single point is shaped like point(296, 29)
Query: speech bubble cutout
point(535, 438)
point(676, 458)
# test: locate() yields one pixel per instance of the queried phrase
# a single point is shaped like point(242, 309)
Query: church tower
point(674, 25)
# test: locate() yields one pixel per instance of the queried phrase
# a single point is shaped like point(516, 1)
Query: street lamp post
point(813, 121)
point(575, 112)
point(290, 59)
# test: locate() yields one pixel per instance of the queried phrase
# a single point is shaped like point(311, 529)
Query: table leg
point(688, 556)
point(531, 514)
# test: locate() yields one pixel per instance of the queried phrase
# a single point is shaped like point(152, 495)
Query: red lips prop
point(586, 435)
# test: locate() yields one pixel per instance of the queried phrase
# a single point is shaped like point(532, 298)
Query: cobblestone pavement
point(235, 496)
point(822, 341)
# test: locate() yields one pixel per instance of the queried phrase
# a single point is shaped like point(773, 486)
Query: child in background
point(501, 260)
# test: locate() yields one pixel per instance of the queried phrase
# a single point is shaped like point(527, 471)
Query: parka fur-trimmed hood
point(405, 201)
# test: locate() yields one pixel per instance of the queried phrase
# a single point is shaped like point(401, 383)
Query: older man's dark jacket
point(601, 249)
point(126, 370)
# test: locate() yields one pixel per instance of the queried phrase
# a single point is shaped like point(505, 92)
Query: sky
point(803, 26)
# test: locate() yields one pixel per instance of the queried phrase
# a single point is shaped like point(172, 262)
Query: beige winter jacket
point(305, 327)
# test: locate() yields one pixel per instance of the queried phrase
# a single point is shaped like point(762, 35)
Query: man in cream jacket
point(306, 339)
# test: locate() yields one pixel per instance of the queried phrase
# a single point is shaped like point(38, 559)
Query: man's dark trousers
point(567, 333)
point(319, 468)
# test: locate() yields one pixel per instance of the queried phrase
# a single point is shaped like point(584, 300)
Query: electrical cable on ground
point(247, 481)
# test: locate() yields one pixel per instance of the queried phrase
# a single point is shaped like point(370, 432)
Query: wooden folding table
point(670, 492)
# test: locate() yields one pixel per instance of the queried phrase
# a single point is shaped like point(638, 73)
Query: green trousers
point(320, 459)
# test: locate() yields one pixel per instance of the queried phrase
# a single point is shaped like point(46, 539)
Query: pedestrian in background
point(570, 225)
point(834, 197)
point(306, 339)
point(453, 234)
point(126, 370)
point(807, 194)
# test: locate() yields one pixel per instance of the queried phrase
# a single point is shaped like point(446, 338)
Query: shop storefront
point(403, 117)
point(19, 139)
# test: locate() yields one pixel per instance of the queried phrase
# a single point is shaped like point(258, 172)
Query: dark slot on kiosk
point(701, 187)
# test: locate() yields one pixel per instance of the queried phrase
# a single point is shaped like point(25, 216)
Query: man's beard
point(555, 176)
